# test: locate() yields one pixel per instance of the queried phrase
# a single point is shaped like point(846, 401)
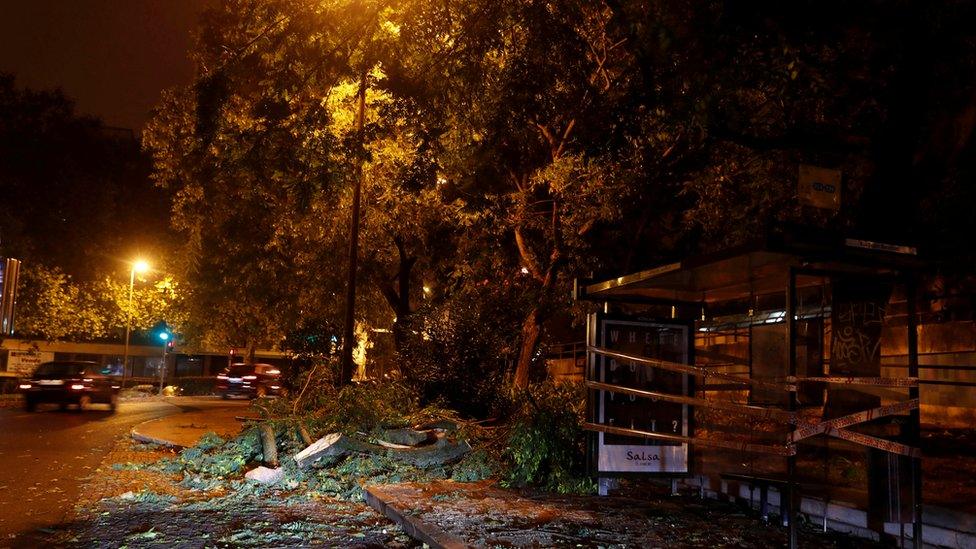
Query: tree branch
point(528, 257)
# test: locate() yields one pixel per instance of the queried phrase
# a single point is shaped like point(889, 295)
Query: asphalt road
point(46, 457)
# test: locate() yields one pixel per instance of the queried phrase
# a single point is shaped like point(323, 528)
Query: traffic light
point(165, 336)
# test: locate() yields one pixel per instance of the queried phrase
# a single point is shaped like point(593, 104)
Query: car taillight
point(250, 377)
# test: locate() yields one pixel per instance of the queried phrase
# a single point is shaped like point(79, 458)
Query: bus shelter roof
point(753, 269)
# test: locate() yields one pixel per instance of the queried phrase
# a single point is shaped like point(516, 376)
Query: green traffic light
point(164, 336)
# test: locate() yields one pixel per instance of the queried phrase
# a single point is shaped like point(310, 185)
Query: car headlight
point(25, 386)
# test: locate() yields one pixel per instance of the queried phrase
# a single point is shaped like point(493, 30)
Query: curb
point(139, 436)
point(416, 528)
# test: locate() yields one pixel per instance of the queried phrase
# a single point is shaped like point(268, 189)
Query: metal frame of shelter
point(785, 266)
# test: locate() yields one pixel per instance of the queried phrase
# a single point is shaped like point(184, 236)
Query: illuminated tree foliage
point(260, 153)
point(54, 306)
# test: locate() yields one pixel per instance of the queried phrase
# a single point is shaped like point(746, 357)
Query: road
point(46, 457)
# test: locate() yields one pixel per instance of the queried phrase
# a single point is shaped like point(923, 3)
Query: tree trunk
point(251, 350)
point(269, 446)
point(531, 333)
point(398, 298)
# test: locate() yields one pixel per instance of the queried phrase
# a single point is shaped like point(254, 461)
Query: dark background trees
point(76, 194)
point(77, 205)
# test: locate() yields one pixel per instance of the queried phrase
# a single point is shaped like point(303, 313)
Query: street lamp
point(138, 266)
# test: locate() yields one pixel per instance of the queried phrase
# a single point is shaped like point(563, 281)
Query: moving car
point(70, 382)
point(249, 380)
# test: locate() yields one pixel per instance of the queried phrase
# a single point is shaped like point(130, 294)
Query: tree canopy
point(510, 146)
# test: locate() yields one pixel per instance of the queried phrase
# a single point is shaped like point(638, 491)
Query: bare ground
point(129, 503)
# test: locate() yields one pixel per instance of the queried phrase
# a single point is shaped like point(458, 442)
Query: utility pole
point(348, 335)
point(164, 336)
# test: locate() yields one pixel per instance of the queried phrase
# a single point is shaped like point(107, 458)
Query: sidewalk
point(185, 429)
point(455, 515)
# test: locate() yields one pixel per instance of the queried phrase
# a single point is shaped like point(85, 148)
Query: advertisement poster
point(651, 339)
point(25, 362)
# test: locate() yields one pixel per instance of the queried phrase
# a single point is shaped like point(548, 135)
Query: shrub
point(546, 444)
point(313, 387)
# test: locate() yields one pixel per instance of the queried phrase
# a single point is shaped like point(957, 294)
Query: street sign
point(819, 187)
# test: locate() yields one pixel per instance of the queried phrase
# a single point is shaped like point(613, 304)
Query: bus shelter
point(762, 365)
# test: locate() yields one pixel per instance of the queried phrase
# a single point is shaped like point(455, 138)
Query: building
point(18, 357)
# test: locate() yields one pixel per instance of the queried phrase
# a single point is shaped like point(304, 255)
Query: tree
point(244, 174)
point(528, 109)
point(260, 152)
point(522, 143)
point(54, 306)
point(768, 86)
point(162, 300)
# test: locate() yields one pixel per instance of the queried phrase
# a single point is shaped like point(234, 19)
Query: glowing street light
point(138, 266)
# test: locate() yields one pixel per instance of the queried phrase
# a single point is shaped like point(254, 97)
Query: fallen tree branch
point(294, 407)
point(267, 414)
point(269, 445)
point(303, 432)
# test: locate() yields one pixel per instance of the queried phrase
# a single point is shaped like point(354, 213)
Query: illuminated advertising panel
point(667, 341)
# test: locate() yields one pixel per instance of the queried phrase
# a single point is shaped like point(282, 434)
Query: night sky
point(112, 57)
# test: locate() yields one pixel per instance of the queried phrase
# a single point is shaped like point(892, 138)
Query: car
point(249, 380)
point(68, 382)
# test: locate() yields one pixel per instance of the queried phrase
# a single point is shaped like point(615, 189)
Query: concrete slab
point(384, 499)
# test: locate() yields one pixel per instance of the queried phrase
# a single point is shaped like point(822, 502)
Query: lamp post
point(139, 266)
point(348, 333)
